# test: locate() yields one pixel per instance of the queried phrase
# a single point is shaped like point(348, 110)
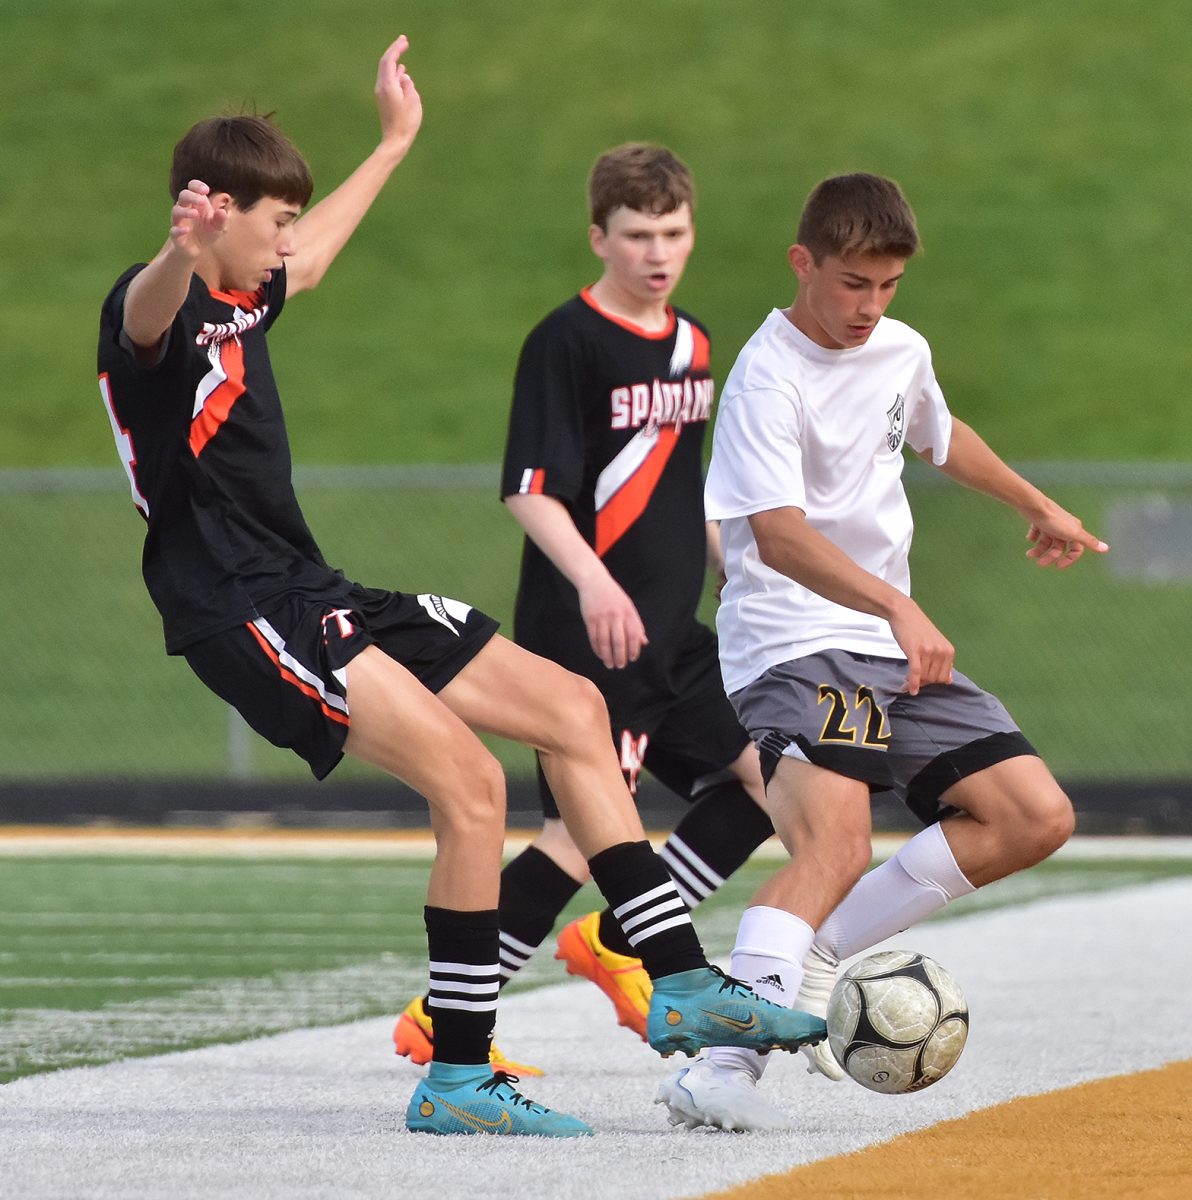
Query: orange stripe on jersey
point(218, 406)
point(619, 514)
point(654, 335)
point(290, 677)
point(701, 356)
point(535, 482)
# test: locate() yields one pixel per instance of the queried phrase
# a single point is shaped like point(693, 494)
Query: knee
point(470, 803)
point(580, 712)
point(1041, 825)
point(843, 849)
point(1054, 823)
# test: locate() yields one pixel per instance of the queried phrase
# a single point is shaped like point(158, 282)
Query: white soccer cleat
point(725, 1098)
point(821, 1061)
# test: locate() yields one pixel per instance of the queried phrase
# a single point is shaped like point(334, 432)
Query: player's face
point(841, 299)
point(644, 253)
point(256, 242)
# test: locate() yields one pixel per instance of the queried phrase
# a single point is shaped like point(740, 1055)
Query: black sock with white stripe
point(644, 901)
point(716, 836)
point(534, 890)
point(464, 980)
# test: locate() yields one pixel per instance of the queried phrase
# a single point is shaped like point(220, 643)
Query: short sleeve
point(929, 423)
point(757, 461)
point(544, 449)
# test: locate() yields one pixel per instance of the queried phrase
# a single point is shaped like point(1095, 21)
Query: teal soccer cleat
point(463, 1099)
point(706, 1007)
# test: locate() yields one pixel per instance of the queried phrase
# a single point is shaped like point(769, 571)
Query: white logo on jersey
point(633, 754)
point(213, 333)
point(897, 431)
point(446, 611)
point(340, 617)
point(661, 403)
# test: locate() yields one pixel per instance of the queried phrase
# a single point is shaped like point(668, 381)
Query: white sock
point(819, 978)
point(919, 880)
point(768, 956)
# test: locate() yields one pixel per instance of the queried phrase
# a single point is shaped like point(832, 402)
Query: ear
point(596, 239)
point(802, 262)
point(222, 200)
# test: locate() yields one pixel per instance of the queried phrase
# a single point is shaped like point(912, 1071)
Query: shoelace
point(504, 1079)
point(738, 987)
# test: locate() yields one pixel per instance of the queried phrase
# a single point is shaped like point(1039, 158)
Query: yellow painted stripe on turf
point(1125, 1138)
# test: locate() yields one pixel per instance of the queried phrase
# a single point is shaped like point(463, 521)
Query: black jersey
point(610, 419)
point(203, 441)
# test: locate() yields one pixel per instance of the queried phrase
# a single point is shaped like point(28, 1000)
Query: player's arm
point(1056, 535)
point(788, 544)
point(322, 232)
point(614, 625)
point(714, 555)
point(157, 293)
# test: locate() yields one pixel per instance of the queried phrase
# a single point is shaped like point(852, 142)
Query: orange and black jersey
point(610, 420)
point(203, 441)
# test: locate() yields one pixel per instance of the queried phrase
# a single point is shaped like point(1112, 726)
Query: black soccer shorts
point(285, 672)
point(672, 719)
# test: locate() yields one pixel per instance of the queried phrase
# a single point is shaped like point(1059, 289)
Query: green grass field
point(1063, 651)
point(1046, 148)
point(103, 957)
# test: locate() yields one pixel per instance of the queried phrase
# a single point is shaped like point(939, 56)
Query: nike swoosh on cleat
point(502, 1125)
point(734, 1022)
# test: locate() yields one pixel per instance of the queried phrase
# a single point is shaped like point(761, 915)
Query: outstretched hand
point(398, 102)
point(195, 223)
point(1058, 538)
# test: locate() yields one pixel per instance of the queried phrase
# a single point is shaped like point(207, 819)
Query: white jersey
point(823, 431)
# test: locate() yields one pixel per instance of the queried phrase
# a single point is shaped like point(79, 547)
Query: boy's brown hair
point(246, 156)
point(641, 176)
point(858, 214)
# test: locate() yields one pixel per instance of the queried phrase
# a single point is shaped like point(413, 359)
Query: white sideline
point(1062, 991)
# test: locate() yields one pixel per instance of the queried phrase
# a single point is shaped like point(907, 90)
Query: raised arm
point(615, 628)
point(159, 291)
point(1056, 535)
point(788, 544)
point(321, 233)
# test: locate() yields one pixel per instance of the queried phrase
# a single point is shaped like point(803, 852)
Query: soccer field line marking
point(317, 1112)
point(267, 842)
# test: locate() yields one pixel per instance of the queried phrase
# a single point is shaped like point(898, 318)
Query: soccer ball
point(897, 1021)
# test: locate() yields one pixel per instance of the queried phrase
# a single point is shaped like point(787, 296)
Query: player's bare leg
point(507, 691)
point(1014, 815)
point(825, 824)
point(514, 694)
point(400, 727)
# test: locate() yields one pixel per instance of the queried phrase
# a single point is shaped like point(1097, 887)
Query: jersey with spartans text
point(609, 419)
point(203, 441)
point(823, 431)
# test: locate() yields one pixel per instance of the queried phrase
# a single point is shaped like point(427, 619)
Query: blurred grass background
point(1046, 147)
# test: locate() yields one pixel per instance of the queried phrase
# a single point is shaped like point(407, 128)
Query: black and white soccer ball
point(897, 1021)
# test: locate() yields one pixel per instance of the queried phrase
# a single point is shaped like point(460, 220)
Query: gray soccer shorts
point(847, 713)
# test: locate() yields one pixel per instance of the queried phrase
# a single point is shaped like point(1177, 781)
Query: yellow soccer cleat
point(414, 1038)
point(621, 978)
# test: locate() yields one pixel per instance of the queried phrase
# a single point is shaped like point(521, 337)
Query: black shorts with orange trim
point(669, 717)
point(285, 672)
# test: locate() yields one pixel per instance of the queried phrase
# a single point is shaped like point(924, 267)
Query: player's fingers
point(1091, 541)
point(599, 640)
point(913, 673)
point(387, 66)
